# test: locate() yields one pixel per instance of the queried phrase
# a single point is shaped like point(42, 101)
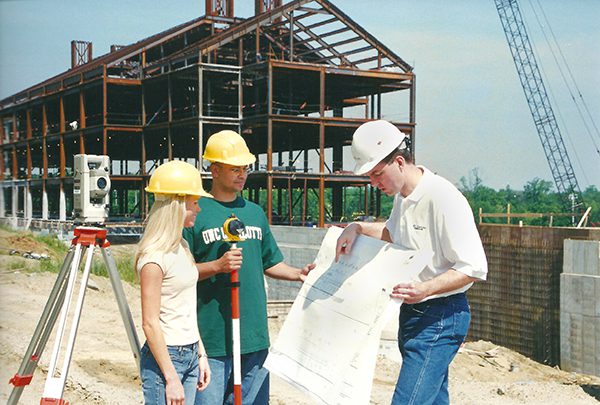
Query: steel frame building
point(295, 80)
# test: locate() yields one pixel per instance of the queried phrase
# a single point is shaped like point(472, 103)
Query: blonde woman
point(173, 360)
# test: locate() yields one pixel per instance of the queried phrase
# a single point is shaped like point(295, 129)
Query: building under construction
point(295, 80)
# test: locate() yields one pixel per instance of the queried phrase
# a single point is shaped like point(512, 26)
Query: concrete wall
point(580, 307)
point(518, 307)
point(299, 246)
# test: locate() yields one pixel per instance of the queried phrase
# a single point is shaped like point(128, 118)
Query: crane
point(539, 103)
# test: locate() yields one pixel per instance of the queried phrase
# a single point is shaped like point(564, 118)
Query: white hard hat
point(372, 142)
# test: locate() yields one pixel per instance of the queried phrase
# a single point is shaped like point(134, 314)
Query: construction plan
point(328, 344)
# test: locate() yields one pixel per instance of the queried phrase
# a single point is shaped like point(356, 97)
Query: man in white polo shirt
point(428, 213)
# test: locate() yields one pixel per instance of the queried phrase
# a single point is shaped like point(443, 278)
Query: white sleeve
point(151, 258)
point(460, 241)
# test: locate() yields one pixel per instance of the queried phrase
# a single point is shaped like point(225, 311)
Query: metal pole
point(235, 334)
point(42, 333)
point(117, 286)
point(55, 382)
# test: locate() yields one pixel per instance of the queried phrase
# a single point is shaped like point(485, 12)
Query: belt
point(437, 301)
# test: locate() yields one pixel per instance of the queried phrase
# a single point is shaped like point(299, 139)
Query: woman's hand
point(204, 376)
point(174, 391)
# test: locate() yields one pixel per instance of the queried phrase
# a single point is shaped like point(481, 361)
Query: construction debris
point(29, 255)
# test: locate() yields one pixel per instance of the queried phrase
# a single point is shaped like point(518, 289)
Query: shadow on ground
point(592, 390)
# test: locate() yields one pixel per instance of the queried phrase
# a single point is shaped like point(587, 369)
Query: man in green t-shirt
point(215, 259)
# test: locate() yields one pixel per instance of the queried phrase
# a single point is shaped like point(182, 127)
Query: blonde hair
point(163, 231)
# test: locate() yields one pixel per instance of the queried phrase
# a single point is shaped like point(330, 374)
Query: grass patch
point(5, 227)
point(58, 251)
point(49, 265)
point(15, 263)
point(52, 243)
point(124, 267)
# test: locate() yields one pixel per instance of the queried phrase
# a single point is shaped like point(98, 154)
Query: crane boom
point(539, 102)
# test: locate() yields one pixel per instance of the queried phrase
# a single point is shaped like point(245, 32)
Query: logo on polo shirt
point(217, 234)
point(418, 227)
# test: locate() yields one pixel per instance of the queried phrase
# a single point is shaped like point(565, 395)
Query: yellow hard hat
point(228, 147)
point(178, 178)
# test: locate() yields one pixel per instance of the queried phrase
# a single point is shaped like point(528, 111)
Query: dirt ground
point(103, 370)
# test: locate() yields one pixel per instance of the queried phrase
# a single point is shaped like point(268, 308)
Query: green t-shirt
point(260, 251)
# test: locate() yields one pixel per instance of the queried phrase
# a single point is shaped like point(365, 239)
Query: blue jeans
point(185, 360)
point(255, 381)
point(429, 336)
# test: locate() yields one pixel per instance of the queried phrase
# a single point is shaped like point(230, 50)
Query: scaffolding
point(295, 81)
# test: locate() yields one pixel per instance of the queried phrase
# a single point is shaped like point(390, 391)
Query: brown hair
point(399, 151)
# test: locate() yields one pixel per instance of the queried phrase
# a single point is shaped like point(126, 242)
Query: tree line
point(537, 196)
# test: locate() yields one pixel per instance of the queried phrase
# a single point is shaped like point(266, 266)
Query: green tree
point(537, 196)
point(591, 198)
point(480, 196)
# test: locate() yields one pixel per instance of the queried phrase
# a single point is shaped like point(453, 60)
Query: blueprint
point(328, 344)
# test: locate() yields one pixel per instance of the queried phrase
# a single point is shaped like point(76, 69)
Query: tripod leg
point(54, 387)
point(56, 390)
point(42, 332)
point(117, 286)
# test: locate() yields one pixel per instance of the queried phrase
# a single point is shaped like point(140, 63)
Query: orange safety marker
point(234, 228)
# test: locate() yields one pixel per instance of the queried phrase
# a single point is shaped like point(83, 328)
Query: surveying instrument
point(234, 228)
point(90, 206)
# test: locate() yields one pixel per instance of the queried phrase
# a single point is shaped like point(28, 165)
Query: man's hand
point(230, 261)
point(305, 270)
point(346, 240)
point(410, 293)
point(282, 271)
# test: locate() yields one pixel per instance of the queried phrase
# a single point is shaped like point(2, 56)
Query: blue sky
point(471, 111)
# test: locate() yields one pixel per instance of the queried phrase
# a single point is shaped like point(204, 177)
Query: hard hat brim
point(203, 194)
point(364, 168)
point(236, 161)
point(198, 194)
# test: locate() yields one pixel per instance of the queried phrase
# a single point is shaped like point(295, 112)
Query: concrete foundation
point(299, 246)
point(580, 307)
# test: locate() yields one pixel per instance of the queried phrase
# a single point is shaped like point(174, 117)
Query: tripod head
point(234, 228)
point(91, 187)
